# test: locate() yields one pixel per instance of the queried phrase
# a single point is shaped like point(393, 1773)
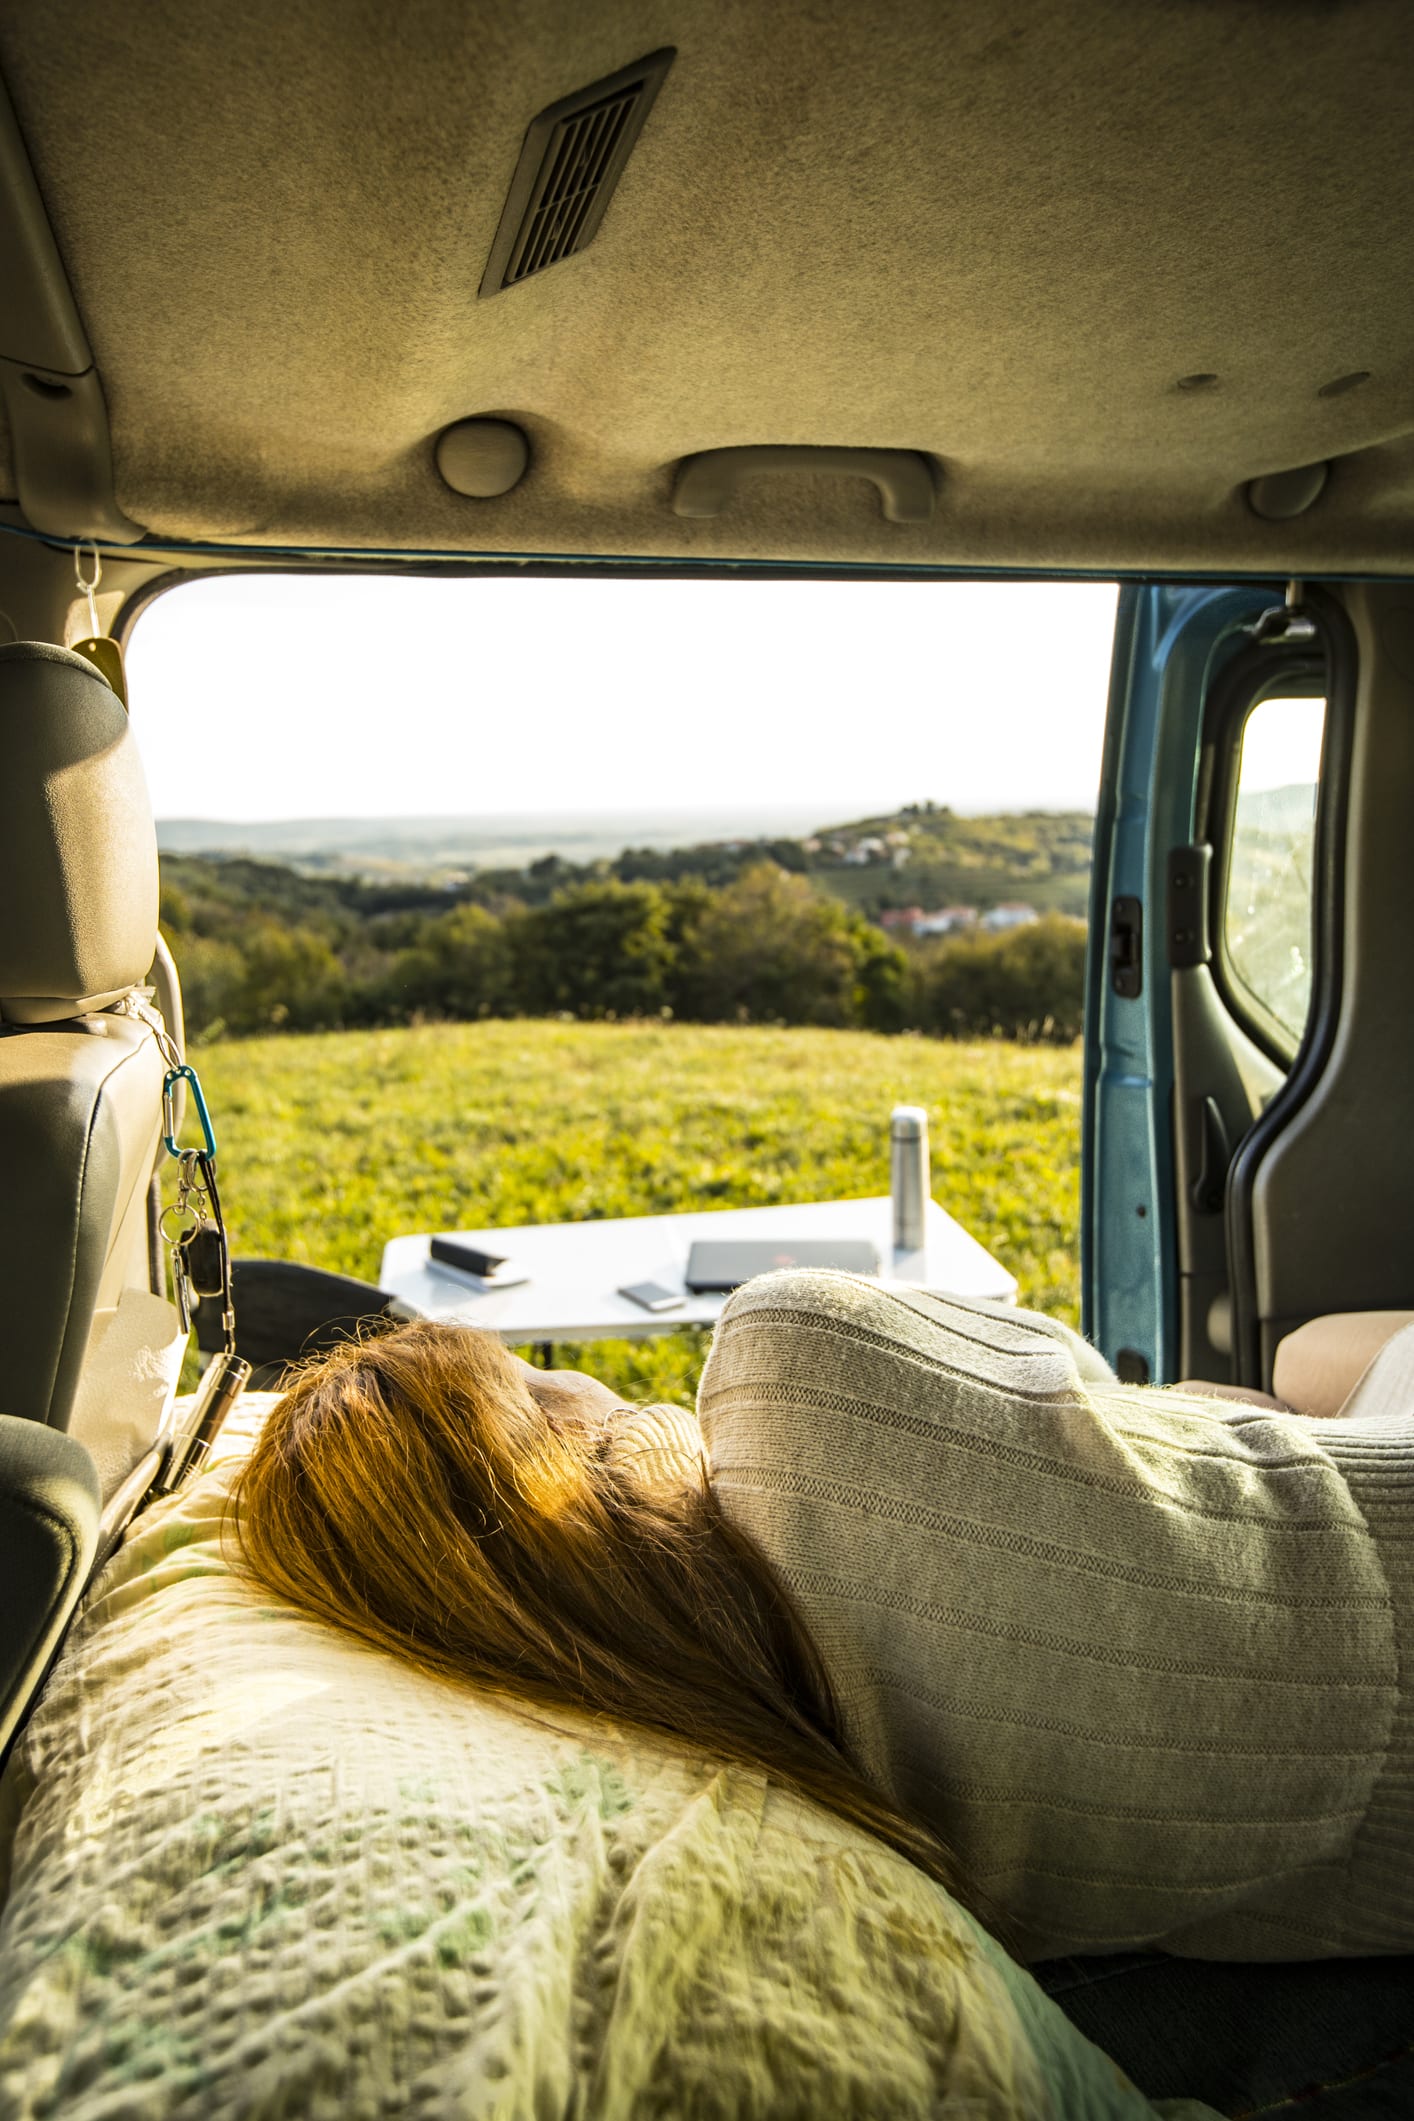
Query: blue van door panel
point(1171, 642)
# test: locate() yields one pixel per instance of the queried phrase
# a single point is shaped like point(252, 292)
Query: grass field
point(331, 1143)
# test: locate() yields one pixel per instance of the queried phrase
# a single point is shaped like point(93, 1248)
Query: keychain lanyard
point(193, 1229)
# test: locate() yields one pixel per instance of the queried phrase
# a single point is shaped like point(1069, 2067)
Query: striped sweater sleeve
point(1135, 1655)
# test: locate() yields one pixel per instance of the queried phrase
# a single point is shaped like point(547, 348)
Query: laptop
point(715, 1266)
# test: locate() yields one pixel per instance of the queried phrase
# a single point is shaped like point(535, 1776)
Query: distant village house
point(946, 921)
point(865, 851)
point(951, 920)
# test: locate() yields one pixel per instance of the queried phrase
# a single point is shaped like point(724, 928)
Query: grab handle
point(708, 482)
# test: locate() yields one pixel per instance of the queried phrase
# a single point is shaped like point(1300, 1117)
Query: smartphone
point(653, 1296)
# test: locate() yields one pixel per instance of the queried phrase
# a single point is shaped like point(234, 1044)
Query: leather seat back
point(80, 1087)
point(86, 1346)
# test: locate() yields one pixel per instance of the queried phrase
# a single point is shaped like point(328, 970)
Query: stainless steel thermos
point(222, 1383)
point(909, 1182)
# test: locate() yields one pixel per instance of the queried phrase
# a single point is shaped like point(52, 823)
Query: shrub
point(213, 977)
point(600, 949)
point(771, 949)
point(1026, 984)
point(292, 978)
point(460, 966)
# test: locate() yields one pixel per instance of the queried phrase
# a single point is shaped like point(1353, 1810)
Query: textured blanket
point(258, 1870)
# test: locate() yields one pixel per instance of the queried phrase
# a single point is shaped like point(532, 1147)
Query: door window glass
point(1267, 915)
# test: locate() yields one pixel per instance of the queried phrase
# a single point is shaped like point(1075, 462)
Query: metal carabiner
point(188, 1075)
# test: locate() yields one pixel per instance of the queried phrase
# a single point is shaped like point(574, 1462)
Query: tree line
point(261, 948)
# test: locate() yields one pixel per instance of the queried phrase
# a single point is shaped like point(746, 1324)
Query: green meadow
point(330, 1143)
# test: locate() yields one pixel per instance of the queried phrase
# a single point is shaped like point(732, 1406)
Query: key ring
point(192, 1218)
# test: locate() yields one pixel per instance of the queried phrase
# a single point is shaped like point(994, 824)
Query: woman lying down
point(586, 1760)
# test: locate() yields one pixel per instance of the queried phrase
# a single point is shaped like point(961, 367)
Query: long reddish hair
point(410, 1488)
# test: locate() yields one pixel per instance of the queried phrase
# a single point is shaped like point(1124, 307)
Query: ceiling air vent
point(574, 155)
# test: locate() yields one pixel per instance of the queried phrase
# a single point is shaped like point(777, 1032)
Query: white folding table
point(575, 1270)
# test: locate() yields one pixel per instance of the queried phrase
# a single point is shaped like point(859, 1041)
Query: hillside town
point(953, 920)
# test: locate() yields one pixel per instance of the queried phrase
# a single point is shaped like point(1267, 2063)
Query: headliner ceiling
point(999, 235)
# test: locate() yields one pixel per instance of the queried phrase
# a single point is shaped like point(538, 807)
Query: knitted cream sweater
point(1137, 1656)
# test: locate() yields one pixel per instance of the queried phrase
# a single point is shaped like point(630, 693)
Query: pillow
point(259, 1868)
point(1318, 1368)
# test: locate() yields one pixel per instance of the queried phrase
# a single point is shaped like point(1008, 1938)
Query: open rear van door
point(1200, 953)
point(1249, 1103)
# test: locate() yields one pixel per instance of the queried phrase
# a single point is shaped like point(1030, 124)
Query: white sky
point(1281, 744)
point(303, 696)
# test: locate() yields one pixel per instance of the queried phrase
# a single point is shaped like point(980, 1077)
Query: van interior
point(906, 292)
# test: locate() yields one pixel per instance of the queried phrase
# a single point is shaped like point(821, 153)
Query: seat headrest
point(78, 849)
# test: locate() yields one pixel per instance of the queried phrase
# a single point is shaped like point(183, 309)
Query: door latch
point(1127, 947)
